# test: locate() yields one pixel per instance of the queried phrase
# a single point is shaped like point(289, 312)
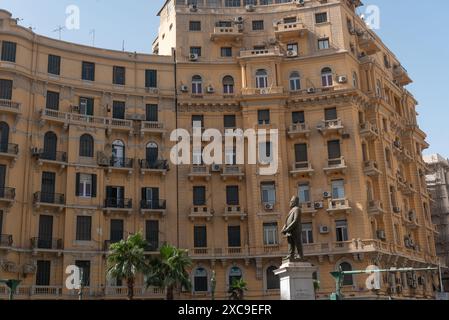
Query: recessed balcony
point(158, 166)
point(232, 171)
point(7, 196)
point(261, 53)
point(371, 168)
point(262, 91)
point(369, 131)
point(234, 211)
point(400, 75)
point(299, 130)
point(9, 106)
point(153, 207)
point(6, 241)
point(49, 200)
point(226, 34)
point(9, 151)
point(52, 158)
point(368, 44)
point(200, 212)
point(290, 30)
point(199, 171)
point(118, 205)
point(152, 127)
point(44, 243)
point(302, 168)
point(337, 165)
point(338, 206)
point(327, 127)
point(375, 207)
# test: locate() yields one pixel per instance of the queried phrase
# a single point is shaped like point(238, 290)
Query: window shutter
point(90, 107)
point(334, 149)
point(94, 186)
point(77, 186)
point(144, 194)
point(331, 114)
point(301, 152)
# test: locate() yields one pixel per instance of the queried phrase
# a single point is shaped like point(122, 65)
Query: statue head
point(294, 202)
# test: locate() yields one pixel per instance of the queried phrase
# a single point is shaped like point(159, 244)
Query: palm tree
point(169, 270)
point(237, 289)
point(126, 259)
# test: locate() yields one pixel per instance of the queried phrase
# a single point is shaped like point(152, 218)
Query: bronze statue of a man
point(293, 231)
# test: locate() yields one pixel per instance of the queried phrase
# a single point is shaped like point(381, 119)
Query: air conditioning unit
point(292, 53)
point(193, 57)
point(324, 229)
point(184, 88)
point(268, 206)
point(311, 90)
point(210, 89)
point(216, 168)
point(326, 195)
point(319, 205)
point(238, 19)
point(342, 79)
point(193, 8)
point(381, 235)
point(250, 7)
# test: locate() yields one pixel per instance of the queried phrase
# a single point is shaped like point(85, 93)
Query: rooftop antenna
point(92, 33)
point(59, 29)
point(123, 45)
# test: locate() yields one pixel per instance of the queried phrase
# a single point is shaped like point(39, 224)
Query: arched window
point(86, 146)
point(295, 81)
point(118, 153)
point(261, 79)
point(235, 274)
point(200, 280)
point(4, 137)
point(326, 77)
point(347, 279)
point(273, 282)
point(197, 85)
point(152, 153)
point(355, 80)
point(228, 85)
point(50, 146)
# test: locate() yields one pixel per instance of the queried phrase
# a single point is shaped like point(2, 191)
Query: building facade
point(85, 135)
point(438, 185)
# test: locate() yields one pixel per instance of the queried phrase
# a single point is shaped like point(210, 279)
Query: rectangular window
point(84, 267)
point(152, 234)
point(301, 153)
point(323, 44)
point(150, 198)
point(200, 236)
point(258, 25)
point(1, 222)
point(234, 237)
point(152, 112)
point(230, 121)
point(83, 228)
point(118, 75)
point(86, 185)
point(232, 195)
point(54, 64)
point(86, 106)
point(333, 149)
point(263, 117)
point(341, 230)
point(195, 26)
point(330, 114)
point(88, 71)
point(52, 102)
point(270, 234)
point(9, 51)
point(198, 118)
point(195, 50)
point(150, 78)
point(338, 189)
point(199, 196)
point(298, 117)
point(304, 193)
point(232, 3)
point(307, 233)
point(226, 51)
point(224, 24)
point(5, 89)
point(118, 109)
point(321, 17)
point(43, 273)
point(268, 193)
point(117, 230)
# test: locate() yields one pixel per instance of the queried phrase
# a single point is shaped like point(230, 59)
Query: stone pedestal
point(296, 281)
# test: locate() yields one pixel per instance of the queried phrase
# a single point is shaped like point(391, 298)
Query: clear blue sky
point(414, 31)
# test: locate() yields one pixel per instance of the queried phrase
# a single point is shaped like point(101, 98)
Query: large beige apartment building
point(85, 152)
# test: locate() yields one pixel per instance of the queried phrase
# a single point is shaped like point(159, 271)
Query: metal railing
point(125, 163)
point(7, 193)
point(6, 240)
point(58, 156)
point(44, 243)
point(49, 198)
point(9, 148)
point(115, 203)
point(153, 204)
point(154, 165)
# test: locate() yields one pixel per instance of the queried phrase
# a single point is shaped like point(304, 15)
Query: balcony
point(158, 166)
point(49, 200)
point(46, 244)
point(262, 91)
point(400, 75)
point(118, 205)
point(290, 30)
point(6, 241)
point(46, 291)
point(327, 127)
point(302, 168)
point(117, 164)
point(139, 293)
point(338, 206)
point(152, 127)
point(119, 125)
point(308, 208)
point(234, 211)
point(199, 171)
point(200, 212)
point(371, 168)
point(153, 206)
point(57, 158)
point(9, 151)
point(226, 34)
point(7, 195)
point(368, 44)
point(335, 166)
point(299, 130)
point(369, 131)
point(375, 208)
point(260, 53)
point(9, 106)
point(232, 171)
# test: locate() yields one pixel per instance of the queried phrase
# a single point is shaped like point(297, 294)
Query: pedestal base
point(297, 281)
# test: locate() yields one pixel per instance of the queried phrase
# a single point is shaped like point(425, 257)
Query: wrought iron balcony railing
point(46, 243)
point(49, 198)
point(58, 156)
point(115, 203)
point(153, 204)
point(154, 165)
